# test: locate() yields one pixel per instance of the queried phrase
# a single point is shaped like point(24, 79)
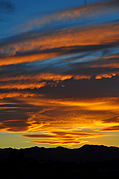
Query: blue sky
point(13, 13)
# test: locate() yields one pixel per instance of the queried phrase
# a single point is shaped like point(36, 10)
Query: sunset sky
point(59, 73)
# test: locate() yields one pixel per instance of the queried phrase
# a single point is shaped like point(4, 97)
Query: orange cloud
point(112, 128)
point(60, 42)
point(55, 142)
point(14, 94)
point(40, 77)
point(62, 137)
point(108, 65)
point(67, 122)
point(106, 75)
point(45, 76)
point(23, 59)
point(23, 85)
point(110, 61)
point(94, 113)
point(16, 85)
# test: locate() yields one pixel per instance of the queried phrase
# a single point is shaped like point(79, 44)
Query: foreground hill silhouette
point(89, 160)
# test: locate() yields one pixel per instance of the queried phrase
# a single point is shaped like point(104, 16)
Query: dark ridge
point(89, 160)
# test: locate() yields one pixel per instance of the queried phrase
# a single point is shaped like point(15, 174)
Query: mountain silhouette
point(89, 160)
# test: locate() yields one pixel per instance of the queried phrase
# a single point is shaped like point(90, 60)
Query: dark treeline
point(87, 161)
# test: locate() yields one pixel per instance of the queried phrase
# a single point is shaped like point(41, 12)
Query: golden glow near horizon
point(61, 86)
point(65, 122)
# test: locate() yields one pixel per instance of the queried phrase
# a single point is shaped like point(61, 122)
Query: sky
point(59, 73)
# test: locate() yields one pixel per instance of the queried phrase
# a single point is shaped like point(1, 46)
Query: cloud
point(75, 13)
point(22, 85)
point(61, 86)
point(16, 85)
point(41, 77)
point(70, 142)
point(77, 89)
point(59, 43)
point(62, 137)
point(41, 113)
point(112, 128)
point(76, 121)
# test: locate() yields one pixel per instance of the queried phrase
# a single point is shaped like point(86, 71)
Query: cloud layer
point(59, 84)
